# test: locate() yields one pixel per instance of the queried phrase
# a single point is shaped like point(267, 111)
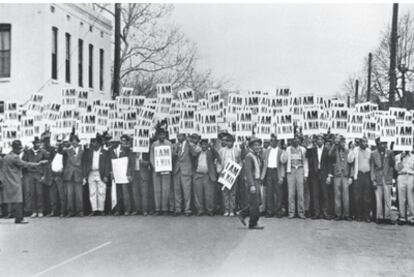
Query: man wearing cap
point(97, 167)
point(361, 158)
point(205, 177)
point(227, 154)
point(183, 152)
point(12, 179)
point(319, 169)
point(297, 174)
point(73, 177)
point(272, 175)
point(382, 171)
point(404, 165)
point(341, 173)
point(34, 178)
point(124, 190)
point(161, 179)
point(252, 165)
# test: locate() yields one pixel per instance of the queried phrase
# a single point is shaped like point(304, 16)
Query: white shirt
point(272, 159)
point(118, 151)
point(320, 150)
point(76, 150)
point(95, 159)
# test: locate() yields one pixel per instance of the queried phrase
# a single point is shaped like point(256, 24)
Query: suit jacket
point(104, 163)
point(211, 157)
point(183, 162)
point(280, 166)
point(313, 161)
point(72, 168)
point(385, 170)
point(250, 169)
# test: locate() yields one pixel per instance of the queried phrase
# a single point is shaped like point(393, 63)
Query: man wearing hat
point(341, 173)
point(34, 178)
point(183, 152)
point(252, 170)
point(97, 169)
point(12, 179)
point(382, 171)
point(227, 154)
point(73, 176)
point(297, 174)
point(161, 179)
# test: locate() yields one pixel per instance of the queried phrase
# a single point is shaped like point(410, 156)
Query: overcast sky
point(311, 48)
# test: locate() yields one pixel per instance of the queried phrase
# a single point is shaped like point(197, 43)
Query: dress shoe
point(127, 213)
point(116, 213)
point(80, 214)
point(291, 216)
point(145, 214)
point(242, 219)
point(40, 214)
point(231, 214)
point(187, 214)
point(337, 218)
point(156, 213)
point(210, 213)
point(52, 214)
point(302, 216)
point(21, 222)
point(226, 214)
point(401, 221)
point(256, 227)
point(134, 213)
point(33, 215)
point(199, 214)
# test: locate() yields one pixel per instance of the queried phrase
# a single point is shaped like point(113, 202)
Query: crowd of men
point(320, 177)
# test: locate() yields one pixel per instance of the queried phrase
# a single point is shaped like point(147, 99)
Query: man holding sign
point(161, 161)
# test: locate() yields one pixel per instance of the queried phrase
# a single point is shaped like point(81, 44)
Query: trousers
point(33, 192)
point(383, 201)
point(274, 192)
point(229, 198)
point(17, 210)
point(97, 191)
point(295, 180)
point(204, 192)
point(405, 196)
point(182, 192)
point(252, 209)
point(320, 194)
point(74, 192)
point(140, 193)
point(57, 194)
point(362, 195)
point(162, 183)
point(341, 195)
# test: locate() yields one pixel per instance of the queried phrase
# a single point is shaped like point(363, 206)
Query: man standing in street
point(183, 152)
point(361, 157)
point(272, 175)
point(34, 179)
point(162, 179)
point(73, 176)
point(297, 175)
point(12, 179)
point(382, 170)
point(252, 164)
point(141, 178)
point(319, 168)
point(404, 165)
point(97, 169)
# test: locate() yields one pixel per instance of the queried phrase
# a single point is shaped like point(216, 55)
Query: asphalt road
point(203, 246)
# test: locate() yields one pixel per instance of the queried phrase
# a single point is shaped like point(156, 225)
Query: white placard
point(229, 174)
point(120, 170)
point(162, 158)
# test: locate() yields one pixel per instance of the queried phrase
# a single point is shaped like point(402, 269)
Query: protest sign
point(82, 99)
point(186, 95)
point(128, 92)
point(163, 106)
point(324, 122)
point(229, 174)
point(27, 131)
point(145, 116)
point(339, 118)
point(141, 142)
point(311, 121)
point(162, 158)
point(370, 130)
point(355, 125)
point(116, 128)
point(137, 101)
point(284, 126)
point(404, 137)
point(164, 89)
point(213, 96)
point(264, 126)
point(70, 98)
point(130, 120)
point(235, 103)
point(187, 122)
point(87, 127)
point(207, 125)
point(173, 122)
point(252, 102)
point(102, 118)
point(119, 170)
point(387, 128)
point(399, 114)
point(244, 126)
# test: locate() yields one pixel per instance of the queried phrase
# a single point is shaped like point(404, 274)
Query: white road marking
point(71, 259)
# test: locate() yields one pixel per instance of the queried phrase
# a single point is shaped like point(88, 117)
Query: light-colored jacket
point(286, 158)
point(353, 158)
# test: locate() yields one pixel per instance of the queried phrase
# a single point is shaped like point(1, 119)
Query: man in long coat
point(12, 179)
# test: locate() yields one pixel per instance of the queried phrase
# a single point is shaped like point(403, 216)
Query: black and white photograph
point(207, 138)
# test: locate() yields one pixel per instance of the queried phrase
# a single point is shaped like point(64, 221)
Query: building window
point(67, 58)
point(90, 66)
point(54, 52)
point(90, 28)
point(68, 17)
point(52, 9)
point(80, 63)
point(102, 34)
point(5, 50)
point(101, 69)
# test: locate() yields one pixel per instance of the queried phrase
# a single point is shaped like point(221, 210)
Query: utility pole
point(369, 77)
point(117, 54)
point(349, 101)
point(356, 91)
point(393, 54)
